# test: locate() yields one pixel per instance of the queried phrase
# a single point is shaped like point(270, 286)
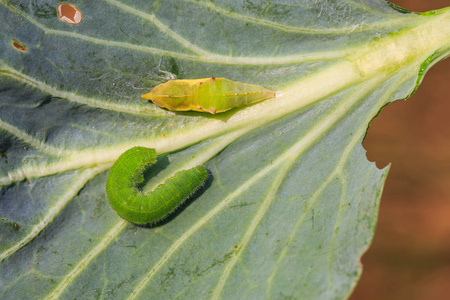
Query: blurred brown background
point(410, 254)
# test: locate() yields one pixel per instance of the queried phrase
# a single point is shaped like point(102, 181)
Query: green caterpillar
point(125, 176)
point(213, 95)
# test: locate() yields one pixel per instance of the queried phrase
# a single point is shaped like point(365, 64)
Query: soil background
point(410, 254)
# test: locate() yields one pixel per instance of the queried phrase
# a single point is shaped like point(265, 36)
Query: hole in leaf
point(69, 13)
point(19, 46)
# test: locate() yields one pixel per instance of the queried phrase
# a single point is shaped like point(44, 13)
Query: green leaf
point(291, 202)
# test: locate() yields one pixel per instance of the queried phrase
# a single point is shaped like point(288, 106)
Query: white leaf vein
point(81, 181)
point(296, 29)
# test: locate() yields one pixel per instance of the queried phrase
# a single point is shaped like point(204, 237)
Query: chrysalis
point(125, 176)
point(213, 95)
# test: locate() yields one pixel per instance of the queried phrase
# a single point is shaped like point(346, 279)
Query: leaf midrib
point(380, 58)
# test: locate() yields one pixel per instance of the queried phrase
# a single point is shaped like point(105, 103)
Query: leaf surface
point(291, 202)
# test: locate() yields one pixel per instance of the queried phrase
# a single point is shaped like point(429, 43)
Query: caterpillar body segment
point(125, 198)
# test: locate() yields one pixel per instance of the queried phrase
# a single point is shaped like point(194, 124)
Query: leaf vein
point(92, 102)
point(38, 144)
point(204, 56)
point(54, 210)
point(337, 171)
point(163, 27)
point(251, 229)
point(296, 29)
point(56, 293)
